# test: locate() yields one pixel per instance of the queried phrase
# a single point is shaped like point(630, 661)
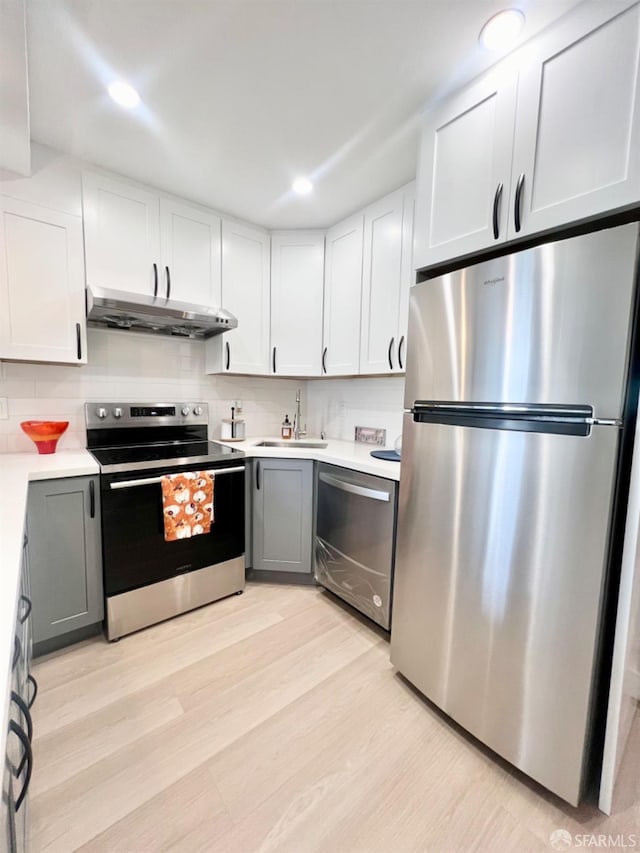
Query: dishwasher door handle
point(362, 491)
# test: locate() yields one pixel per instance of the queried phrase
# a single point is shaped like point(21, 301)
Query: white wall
point(130, 367)
point(337, 406)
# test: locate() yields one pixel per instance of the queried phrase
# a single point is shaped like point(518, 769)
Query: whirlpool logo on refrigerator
point(491, 282)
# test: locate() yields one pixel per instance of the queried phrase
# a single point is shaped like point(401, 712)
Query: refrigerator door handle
point(561, 420)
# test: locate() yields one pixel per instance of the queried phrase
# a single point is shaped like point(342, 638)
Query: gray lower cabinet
point(65, 556)
point(282, 493)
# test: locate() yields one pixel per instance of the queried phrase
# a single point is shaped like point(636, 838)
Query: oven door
point(135, 552)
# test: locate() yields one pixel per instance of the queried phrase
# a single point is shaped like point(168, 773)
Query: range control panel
point(107, 415)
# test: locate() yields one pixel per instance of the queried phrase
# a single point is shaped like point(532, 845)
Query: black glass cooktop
point(138, 457)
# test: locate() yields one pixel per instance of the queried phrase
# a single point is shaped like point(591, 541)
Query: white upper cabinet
point(549, 137)
point(297, 264)
point(386, 280)
point(122, 236)
point(577, 142)
point(42, 309)
point(343, 297)
point(142, 243)
point(245, 293)
point(464, 171)
point(190, 244)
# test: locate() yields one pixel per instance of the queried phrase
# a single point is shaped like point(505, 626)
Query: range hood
point(115, 309)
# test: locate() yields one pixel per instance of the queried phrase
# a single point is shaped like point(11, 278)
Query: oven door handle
point(126, 484)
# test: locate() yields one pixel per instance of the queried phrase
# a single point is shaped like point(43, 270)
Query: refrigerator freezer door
point(545, 325)
point(502, 544)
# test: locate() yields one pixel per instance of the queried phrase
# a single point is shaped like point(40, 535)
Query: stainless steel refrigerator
point(517, 393)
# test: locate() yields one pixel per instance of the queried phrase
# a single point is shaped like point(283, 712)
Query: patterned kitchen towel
point(187, 504)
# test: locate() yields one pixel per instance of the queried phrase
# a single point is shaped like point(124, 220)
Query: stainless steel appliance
point(517, 399)
point(115, 309)
point(147, 579)
point(355, 538)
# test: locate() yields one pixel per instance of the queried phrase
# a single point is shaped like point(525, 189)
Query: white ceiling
point(241, 96)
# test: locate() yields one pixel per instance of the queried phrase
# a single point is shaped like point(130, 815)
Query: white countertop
point(348, 454)
point(16, 471)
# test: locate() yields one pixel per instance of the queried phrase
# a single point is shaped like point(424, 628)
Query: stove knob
point(101, 413)
point(117, 413)
point(185, 410)
point(197, 410)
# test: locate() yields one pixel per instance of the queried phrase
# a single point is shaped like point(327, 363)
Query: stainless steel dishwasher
point(355, 539)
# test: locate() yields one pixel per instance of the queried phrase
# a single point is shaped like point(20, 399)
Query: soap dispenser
point(287, 427)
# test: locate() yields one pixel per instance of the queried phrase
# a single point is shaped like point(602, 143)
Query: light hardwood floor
point(272, 721)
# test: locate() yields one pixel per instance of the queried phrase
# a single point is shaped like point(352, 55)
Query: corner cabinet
point(297, 266)
point(42, 305)
point(246, 294)
point(145, 244)
point(65, 556)
point(386, 280)
point(343, 298)
point(548, 138)
point(282, 521)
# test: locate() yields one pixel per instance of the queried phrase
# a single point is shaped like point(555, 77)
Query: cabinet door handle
point(31, 679)
point(166, 269)
point(17, 652)
point(24, 710)
point(27, 610)
point(155, 280)
point(389, 353)
point(496, 211)
point(324, 360)
point(228, 348)
point(258, 474)
point(400, 345)
point(274, 359)
point(79, 341)
point(518, 202)
point(92, 499)
point(24, 740)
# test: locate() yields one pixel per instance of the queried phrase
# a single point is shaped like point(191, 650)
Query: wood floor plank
point(273, 721)
point(186, 816)
point(67, 665)
point(65, 752)
point(129, 777)
point(69, 702)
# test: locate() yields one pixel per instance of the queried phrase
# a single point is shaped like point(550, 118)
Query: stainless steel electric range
point(147, 579)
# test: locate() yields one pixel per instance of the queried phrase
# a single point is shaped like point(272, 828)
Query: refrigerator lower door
point(500, 565)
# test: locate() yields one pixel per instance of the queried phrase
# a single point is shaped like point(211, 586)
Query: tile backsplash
point(129, 367)
point(337, 406)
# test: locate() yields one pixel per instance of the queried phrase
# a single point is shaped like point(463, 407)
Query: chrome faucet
point(297, 432)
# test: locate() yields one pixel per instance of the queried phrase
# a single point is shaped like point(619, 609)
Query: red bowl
point(45, 434)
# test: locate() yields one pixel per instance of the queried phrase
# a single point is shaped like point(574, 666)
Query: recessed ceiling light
point(124, 94)
point(501, 31)
point(302, 186)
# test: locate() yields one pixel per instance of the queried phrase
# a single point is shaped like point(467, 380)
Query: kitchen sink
point(291, 442)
